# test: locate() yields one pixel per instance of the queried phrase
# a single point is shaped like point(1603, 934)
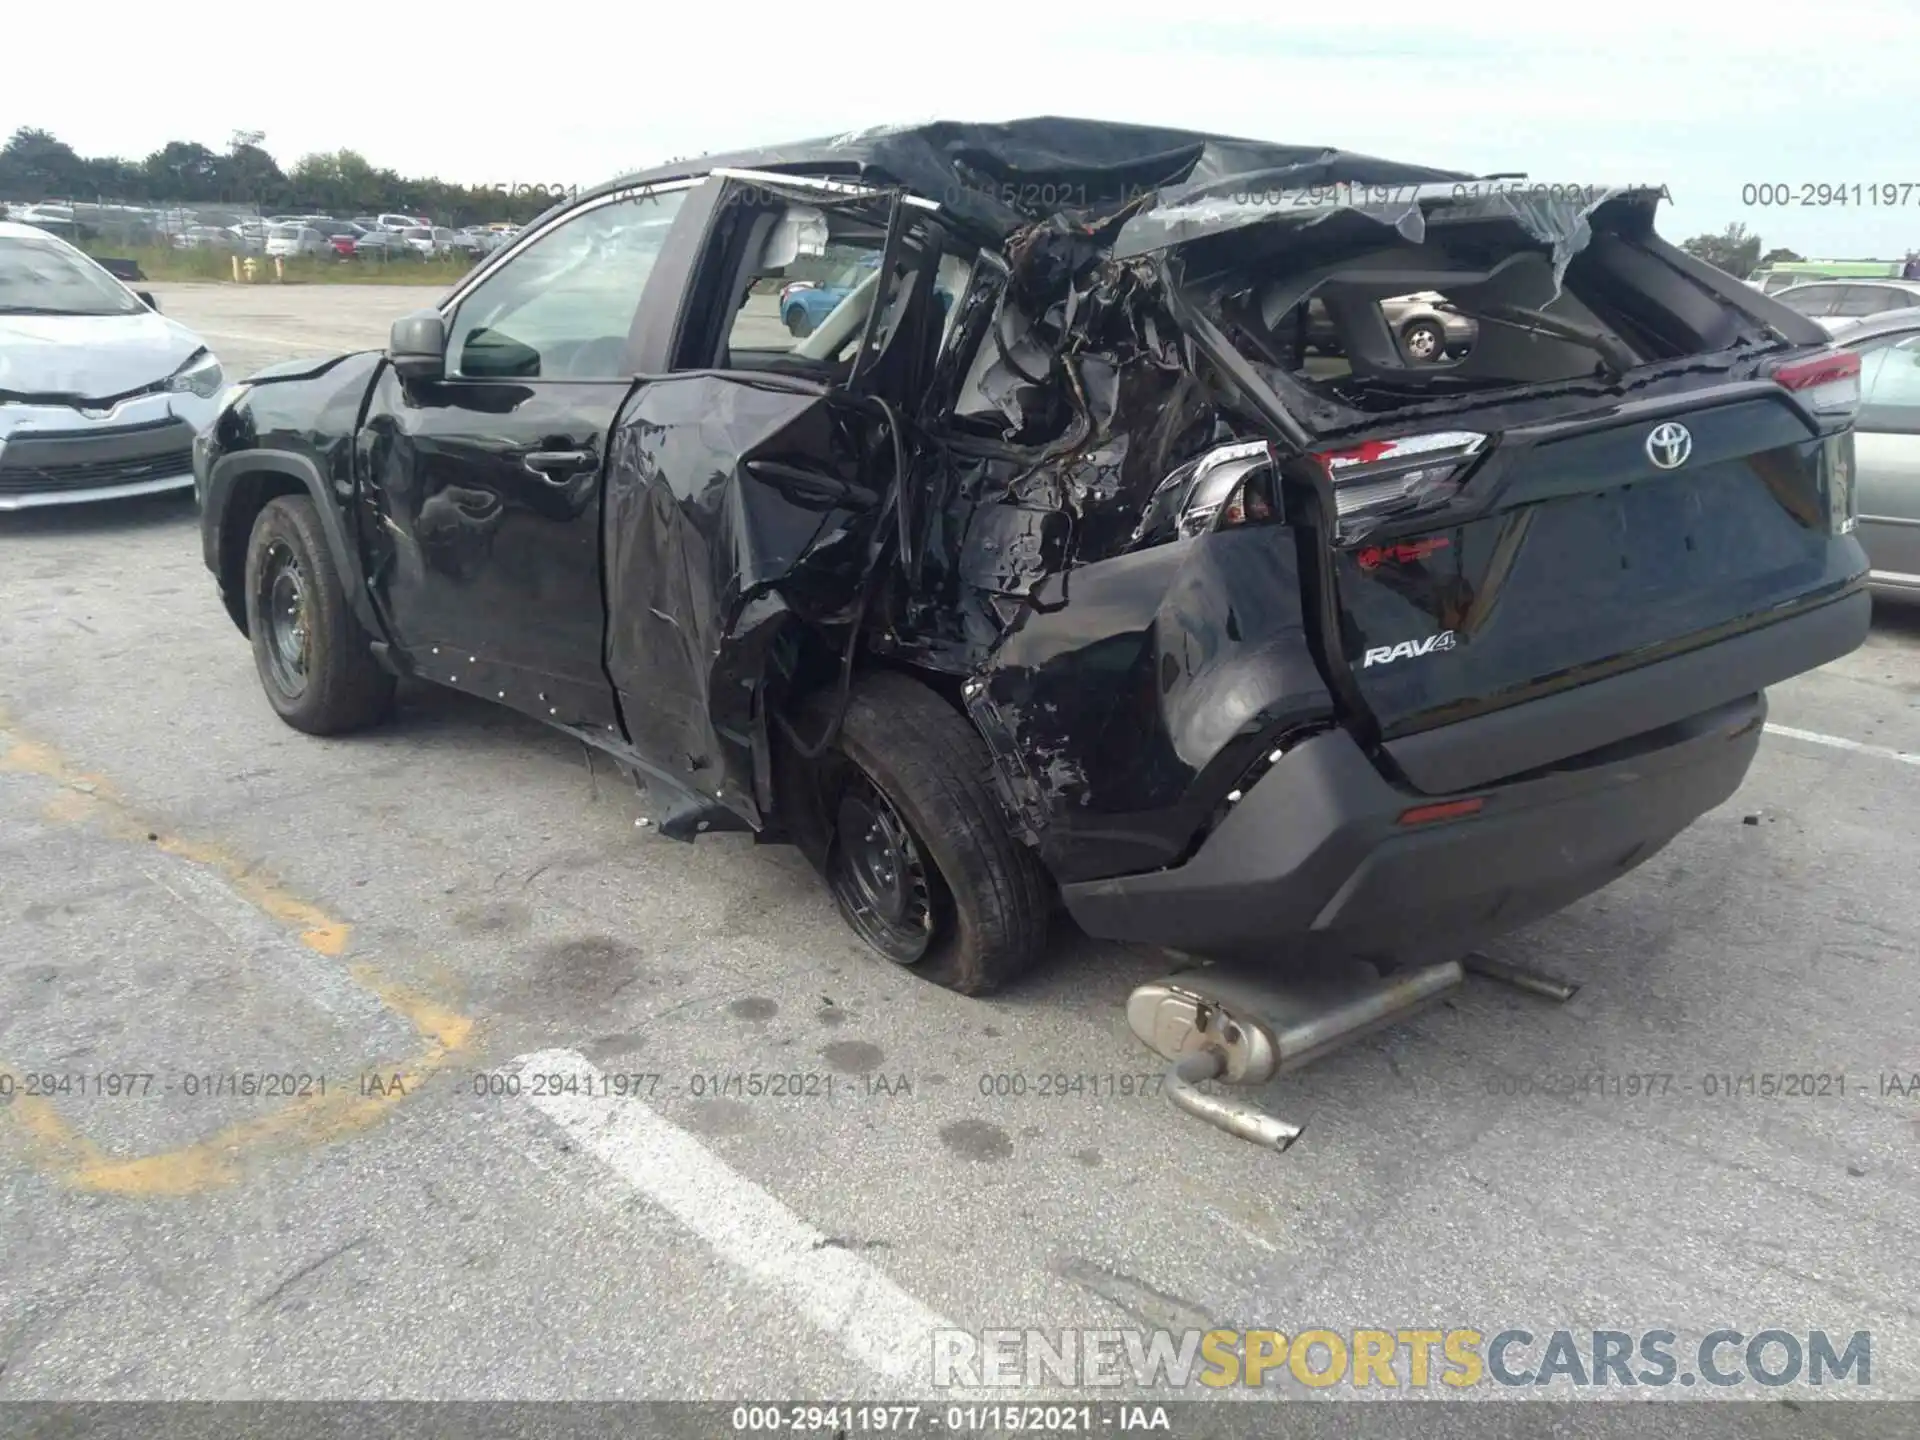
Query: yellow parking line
point(308, 1122)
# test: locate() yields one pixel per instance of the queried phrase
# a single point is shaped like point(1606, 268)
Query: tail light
point(1390, 477)
point(1836, 460)
point(1827, 384)
point(1218, 496)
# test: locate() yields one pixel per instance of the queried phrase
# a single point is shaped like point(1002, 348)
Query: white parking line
point(871, 1318)
point(1814, 737)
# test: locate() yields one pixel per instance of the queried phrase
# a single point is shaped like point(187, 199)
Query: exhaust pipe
point(1244, 1028)
point(1236, 1117)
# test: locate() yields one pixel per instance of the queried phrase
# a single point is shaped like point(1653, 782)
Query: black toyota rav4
point(1052, 561)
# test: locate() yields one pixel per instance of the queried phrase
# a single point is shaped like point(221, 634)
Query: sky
point(1709, 99)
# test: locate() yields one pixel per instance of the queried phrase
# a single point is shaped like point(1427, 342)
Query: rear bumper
point(1314, 857)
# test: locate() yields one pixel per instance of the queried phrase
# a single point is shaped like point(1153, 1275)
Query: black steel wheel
point(282, 607)
point(902, 817)
point(314, 658)
point(878, 875)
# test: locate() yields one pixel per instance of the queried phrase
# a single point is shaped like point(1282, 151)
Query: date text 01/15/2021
point(186, 1084)
point(648, 1085)
point(1709, 1085)
point(809, 1418)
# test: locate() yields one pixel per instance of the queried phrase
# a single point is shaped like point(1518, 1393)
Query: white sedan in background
point(429, 240)
point(298, 240)
point(100, 395)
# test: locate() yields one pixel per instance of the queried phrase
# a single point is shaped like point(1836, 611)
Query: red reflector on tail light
point(1444, 810)
point(1378, 478)
point(1835, 366)
point(1408, 449)
point(1828, 383)
point(1358, 454)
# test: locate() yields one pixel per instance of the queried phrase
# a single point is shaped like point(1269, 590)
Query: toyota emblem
point(1669, 445)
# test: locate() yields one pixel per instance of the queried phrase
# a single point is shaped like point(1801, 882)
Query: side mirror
point(417, 345)
point(145, 297)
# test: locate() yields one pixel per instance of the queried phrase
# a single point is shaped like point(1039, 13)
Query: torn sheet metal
point(1116, 667)
point(731, 511)
point(995, 179)
point(1553, 215)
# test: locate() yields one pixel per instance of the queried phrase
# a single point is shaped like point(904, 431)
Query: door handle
point(556, 467)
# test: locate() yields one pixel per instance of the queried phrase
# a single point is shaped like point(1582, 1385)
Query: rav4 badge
point(1407, 649)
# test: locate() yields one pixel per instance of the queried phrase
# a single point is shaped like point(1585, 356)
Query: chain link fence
point(200, 240)
point(128, 224)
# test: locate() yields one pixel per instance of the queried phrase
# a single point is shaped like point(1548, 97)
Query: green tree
point(35, 166)
point(249, 175)
point(183, 170)
point(1735, 250)
point(1781, 253)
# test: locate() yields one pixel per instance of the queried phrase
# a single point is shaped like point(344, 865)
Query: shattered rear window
point(1358, 337)
point(1355, 311)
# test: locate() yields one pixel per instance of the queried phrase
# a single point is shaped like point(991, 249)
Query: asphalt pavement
point(289, 1000)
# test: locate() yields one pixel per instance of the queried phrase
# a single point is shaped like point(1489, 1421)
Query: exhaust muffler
point(1243, 1027)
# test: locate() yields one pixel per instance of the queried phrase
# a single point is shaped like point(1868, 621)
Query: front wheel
point(908, 830)
point(799, 323)
point(314, 658)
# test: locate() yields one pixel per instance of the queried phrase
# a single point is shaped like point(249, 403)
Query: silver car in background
point(1833, 303)
point(1886, 446)
point(100, 395)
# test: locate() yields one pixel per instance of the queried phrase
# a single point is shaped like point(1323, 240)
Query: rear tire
point(799, 324)
point(903, 819)
point(314, 658)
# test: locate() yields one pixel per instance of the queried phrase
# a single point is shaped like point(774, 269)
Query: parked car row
point(389, 235)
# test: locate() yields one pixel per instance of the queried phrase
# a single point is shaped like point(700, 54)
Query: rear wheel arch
point(816, 678)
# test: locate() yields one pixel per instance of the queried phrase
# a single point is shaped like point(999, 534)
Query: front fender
point(290, 433)
point(237, 486)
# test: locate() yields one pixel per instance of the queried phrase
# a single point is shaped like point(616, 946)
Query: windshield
point(44, 277)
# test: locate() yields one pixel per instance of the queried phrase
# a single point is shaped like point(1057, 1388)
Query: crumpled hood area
point(90, 357)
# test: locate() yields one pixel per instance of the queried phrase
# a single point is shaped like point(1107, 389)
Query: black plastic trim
point(1313, 860)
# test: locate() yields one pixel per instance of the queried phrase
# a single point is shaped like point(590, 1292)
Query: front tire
point(315, 660)
point(799, 323)
point(909, 832)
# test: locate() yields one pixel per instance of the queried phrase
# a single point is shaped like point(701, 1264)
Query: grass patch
point(164, 263)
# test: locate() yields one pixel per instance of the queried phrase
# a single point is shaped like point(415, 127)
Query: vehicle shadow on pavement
point(1897, 616)
point(103, 517)
point(1079, 973)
